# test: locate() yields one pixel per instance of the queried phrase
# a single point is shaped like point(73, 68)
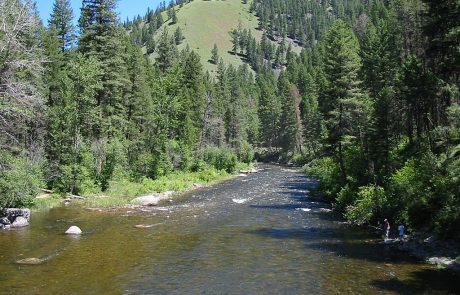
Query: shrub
point(245, 152)
point(345, 197)
point(327, 172)
point(20, 181)
point(370, 203)
point(220, 158)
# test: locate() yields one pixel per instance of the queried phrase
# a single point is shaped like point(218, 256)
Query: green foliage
point(326, 170)
point(371, 203)
point(62, 20)
point(20, 181)
point(122, 191)
point(220, 159)
point(215, 55)
point(245, 152)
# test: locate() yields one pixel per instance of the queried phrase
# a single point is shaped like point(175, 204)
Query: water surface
point(259, 234)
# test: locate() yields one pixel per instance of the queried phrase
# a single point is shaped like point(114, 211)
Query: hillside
point(205, 23)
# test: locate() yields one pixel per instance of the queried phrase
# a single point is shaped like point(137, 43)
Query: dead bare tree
point(21, 104)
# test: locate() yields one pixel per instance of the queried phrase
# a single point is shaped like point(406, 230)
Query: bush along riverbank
point(172, 175)
point(371, 205)
point(126, 192)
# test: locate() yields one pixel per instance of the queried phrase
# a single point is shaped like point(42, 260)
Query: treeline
point(78, 113)
point(386, 94)
point(142, 29)
point(373, 108)
point(304, 22)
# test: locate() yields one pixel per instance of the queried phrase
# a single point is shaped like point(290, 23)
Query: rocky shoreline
point(429, 248)
point(14, 218)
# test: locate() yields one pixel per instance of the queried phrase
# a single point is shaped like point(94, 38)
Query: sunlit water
point(258, 234)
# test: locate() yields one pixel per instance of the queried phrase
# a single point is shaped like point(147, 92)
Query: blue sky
point(126, 8)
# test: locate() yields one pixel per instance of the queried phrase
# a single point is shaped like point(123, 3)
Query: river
point(259, 234)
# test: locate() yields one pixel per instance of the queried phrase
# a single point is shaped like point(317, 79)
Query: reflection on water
point(253, 235)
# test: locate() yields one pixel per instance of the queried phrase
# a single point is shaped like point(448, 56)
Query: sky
point(125, 8)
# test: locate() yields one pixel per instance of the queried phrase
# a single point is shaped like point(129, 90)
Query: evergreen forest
point(370, 105)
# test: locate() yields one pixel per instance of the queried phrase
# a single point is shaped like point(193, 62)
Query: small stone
point(31, 261)
point(74, 230)
point(143, 225)
point(20, 222)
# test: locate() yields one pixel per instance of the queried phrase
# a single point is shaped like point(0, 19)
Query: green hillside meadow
point(205, 23)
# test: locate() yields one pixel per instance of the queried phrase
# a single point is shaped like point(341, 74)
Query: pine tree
point(215, 55)
point(71, 120)
point(343, 102)
point(167, 51)
point(62, 21)
point(178, 36)
point(289, 124)
point(269, 110)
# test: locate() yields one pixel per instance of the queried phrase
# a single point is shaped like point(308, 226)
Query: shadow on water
point(418, 282)
point(310, 233)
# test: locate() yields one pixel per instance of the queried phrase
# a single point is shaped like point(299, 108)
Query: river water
point(259, 234)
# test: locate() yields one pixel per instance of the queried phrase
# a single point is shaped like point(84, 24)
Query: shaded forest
point(370, 105)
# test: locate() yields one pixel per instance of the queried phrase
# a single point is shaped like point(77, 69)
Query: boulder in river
point(152, 200)
point(13, 213)
point(20, 222)
point(74, 230)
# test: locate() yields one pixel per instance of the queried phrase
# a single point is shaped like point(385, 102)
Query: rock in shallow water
point(20, 222)
point(31, 261)
point(143, 225)
point(152, 200)
point(74, 230)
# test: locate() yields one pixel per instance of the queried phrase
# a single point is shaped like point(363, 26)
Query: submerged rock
point(31, 261)
point(240, 201)
point(74, 230)
point(144, 225)
point(20, 221)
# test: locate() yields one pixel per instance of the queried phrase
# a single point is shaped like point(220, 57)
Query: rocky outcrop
point(14, 217)
point(153, 199)
point(74, 230)
point(431, 249)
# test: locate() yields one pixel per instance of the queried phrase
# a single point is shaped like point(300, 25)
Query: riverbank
point(125, 193)
point(427, 247)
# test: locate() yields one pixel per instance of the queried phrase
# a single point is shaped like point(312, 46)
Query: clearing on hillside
point(205, 23)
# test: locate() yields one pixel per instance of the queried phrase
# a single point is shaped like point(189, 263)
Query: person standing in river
point(386, 228)
point(401, 229)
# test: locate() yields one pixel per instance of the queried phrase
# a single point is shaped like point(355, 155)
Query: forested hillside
point(370, 104)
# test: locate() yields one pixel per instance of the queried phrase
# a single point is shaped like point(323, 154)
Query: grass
point(122, 192)
point(47, 203)
point(205, 23)
point(457, 259)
